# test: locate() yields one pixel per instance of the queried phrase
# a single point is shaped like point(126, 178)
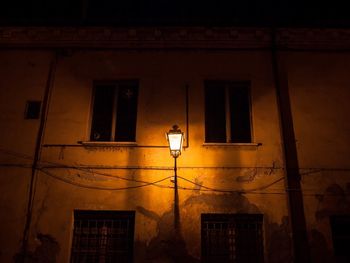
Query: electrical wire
point(229, 191)
point(308, 170)
point(99, 187)
point(155, 183)
point(203, 188)
point(187, 180)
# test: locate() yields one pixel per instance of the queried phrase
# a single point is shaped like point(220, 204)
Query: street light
point(175, 139)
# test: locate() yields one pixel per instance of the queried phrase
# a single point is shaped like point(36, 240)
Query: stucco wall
point(318, 86)
point(23, 77)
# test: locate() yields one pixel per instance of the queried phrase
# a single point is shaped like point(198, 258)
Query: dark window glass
point(227, 112)
point(341, 237)
point(33, 110)
point(215, 120)
point(101, 127)
point(126, 113)
point(103, 236)
point(114, 112)
point(232, 238)
point(240, 113)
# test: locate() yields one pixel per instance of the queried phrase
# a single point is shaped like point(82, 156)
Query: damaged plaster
point(334, 201)
point(169, 246)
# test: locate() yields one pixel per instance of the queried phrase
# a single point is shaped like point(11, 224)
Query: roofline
point(231, 38)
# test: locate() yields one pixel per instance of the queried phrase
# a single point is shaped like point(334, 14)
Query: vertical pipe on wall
point(187, 121)
point(292, 175)
point(37, 153)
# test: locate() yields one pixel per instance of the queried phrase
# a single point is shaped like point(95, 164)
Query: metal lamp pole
point(175, 139)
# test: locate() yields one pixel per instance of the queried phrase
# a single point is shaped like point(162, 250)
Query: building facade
point(86, 173)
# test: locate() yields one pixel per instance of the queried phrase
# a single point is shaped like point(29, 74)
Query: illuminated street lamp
point(175, 139)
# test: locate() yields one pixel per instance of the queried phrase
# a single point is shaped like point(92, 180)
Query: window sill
point(230, 144)
point(107, 144)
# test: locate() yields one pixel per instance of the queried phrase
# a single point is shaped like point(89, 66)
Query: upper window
point(227, 112)
point(103, 236)
point(114, 111)
point(232, 238)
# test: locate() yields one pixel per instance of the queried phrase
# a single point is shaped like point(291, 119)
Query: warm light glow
point(175, 139)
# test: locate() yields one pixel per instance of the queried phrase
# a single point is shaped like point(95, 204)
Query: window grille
point(103, 236)
point(340, 226)
point(232, 238)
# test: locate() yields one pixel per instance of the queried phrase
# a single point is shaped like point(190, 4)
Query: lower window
point(340, 226)
point(103, 236)
point(232, 238)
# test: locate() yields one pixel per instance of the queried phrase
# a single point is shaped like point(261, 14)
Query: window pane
point(126, 112)
point(240, 113)
point(101, 126)
point(215, 121)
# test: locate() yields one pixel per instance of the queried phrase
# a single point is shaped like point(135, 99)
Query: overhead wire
point(100, 187)
point(144, 183)
point(229, 190)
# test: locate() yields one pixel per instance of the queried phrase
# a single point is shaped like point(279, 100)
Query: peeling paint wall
point(73, 176)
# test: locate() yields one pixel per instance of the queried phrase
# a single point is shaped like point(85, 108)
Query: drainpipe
point(292, 176)
point(187, 118)
point(37, 153)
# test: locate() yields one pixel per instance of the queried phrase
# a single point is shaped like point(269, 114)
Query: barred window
point(232, 238)
point(103, 236)
point(114, 111)
point(340, 226)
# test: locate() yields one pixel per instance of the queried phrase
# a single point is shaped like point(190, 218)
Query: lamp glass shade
point(175, 139)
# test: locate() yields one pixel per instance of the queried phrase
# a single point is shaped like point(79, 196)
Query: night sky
point(174, 13)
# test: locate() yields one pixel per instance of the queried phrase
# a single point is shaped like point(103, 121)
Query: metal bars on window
point(340, 225)
point(232, 238)
point(103, 236)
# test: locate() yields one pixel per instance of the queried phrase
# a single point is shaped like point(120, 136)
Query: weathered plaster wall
point(23, 76)
point(163, 77)
point(319, 87)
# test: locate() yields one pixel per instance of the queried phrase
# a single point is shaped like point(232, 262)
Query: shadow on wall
point(334, 201)
point(46, 252)
point(319, 249)
point(168, 246)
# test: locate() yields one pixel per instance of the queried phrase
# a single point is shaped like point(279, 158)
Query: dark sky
point(175, 13)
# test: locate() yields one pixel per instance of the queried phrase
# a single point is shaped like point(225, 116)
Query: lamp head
point(175, 139)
